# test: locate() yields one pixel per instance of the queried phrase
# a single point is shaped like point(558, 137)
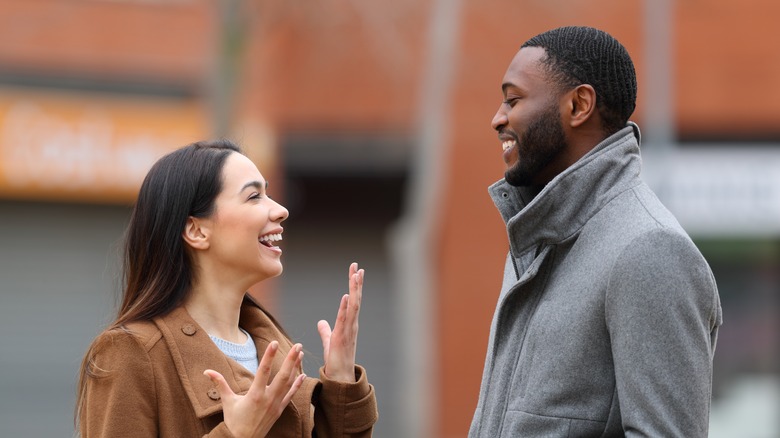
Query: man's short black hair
point(583, 55)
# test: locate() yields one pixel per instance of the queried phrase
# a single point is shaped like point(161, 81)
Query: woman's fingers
point(341, 316)
point(222, 387)
point(287, 374)
point(339, 345)
point(255, 413)
point(352, 310)
point(293, 389)
point(345, 328)
point(263, 373)
point(355, 294)
point(349, 306)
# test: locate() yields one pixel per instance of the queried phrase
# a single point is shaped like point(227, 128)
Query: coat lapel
point(193, 352)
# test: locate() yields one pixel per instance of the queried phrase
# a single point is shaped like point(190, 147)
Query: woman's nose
point(279, 213)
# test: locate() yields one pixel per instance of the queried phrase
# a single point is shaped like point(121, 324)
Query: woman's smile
point(268, 240)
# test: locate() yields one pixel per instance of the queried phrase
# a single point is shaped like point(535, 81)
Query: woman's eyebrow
point(256, 184)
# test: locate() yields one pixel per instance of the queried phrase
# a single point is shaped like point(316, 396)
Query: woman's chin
point(266, 271)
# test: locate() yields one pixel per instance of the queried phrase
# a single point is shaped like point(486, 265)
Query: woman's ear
point(582, 105)
point(196, 233)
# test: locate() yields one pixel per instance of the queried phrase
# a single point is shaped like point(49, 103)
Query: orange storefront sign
point(86, 146)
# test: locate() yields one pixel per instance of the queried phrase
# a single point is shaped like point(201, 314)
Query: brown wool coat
point(151, 384)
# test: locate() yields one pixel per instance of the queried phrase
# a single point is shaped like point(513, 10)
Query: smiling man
point(608, 315)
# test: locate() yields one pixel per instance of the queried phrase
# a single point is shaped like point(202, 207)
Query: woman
point(190, 354)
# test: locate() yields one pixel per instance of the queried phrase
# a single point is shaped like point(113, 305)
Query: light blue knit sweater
point(245, 354)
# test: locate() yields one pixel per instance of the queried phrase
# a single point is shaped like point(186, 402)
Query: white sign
point(719, 191)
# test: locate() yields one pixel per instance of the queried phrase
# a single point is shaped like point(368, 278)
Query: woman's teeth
point(507, 144)
point(270, 238)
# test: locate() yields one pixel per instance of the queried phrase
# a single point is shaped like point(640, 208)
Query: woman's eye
point(254, 196)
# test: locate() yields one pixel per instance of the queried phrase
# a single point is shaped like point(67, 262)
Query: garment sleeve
point(120, 398)
point(662, 314)
point(345, 409)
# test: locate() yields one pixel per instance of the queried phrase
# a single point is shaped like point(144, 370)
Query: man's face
point(528, 122)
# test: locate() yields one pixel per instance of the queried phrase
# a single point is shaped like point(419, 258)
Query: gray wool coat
point(608, 315)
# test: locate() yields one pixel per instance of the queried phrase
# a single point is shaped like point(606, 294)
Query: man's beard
point(539, 146)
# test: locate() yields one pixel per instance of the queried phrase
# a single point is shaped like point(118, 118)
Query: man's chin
point(516, 177)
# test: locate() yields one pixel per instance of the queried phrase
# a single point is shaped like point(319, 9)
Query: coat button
point(213, 394)
point(188, 329)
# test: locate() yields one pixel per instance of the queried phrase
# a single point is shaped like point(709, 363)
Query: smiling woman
point(190, 353)
point(225, 244)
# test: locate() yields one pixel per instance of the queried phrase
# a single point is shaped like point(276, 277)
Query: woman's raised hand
point(340, 344)
point(253, 414)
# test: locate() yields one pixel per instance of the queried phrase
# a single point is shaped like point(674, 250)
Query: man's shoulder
point(636, 211)
point(637, 223)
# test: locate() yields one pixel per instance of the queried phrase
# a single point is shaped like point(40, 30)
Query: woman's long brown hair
point(157, 269)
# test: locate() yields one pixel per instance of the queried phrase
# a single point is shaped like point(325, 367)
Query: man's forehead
point(525, 66)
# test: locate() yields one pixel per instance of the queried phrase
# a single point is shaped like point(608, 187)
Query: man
point(607, 318)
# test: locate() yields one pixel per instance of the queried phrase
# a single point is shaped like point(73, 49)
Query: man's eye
point(254, 196)
point(511, 101)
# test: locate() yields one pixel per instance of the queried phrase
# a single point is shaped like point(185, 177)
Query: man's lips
point(507, 140)
point(509, 145)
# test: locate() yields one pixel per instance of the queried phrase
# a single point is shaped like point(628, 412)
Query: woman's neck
point(217, 310)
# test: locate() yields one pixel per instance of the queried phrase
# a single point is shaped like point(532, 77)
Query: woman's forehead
point(240, 172)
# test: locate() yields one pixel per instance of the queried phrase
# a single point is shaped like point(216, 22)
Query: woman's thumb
point(216, 378)
point(324, 329)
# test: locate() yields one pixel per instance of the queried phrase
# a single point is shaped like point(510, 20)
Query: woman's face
point(246, 224)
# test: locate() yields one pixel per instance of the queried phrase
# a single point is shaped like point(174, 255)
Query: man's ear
point(582, 105)
point(196, 233)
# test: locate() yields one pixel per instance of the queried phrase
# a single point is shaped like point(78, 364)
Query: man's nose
point(499, 120)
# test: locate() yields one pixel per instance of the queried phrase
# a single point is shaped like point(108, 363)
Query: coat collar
point(193, 352)
point(565, 205)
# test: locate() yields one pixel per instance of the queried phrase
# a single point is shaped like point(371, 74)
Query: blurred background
point(371, 120)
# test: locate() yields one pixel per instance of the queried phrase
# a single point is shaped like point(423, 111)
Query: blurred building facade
point(371, 121)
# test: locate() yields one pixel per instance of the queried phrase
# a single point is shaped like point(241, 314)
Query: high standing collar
point(567, 202)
